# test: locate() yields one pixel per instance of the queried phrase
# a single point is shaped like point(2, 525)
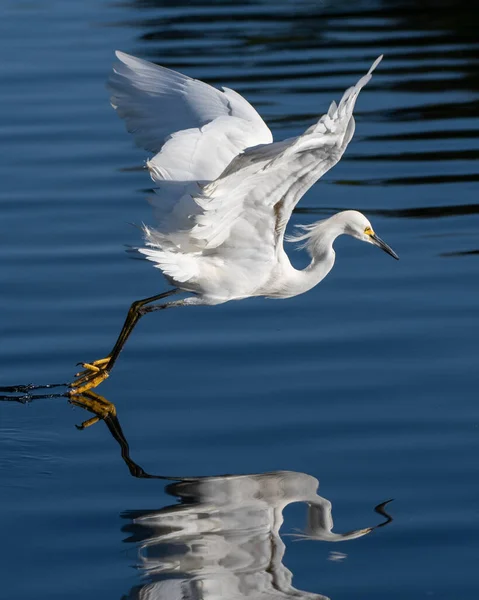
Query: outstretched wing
point(252, 201)
point(242, 215)
point(195, 129)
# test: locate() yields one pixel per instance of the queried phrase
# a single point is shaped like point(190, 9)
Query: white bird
point(226, 192)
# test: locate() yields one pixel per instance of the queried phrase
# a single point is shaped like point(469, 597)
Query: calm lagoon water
point(367, 384)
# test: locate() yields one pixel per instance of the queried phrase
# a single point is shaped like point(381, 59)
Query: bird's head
point(320, 235)
point(356, 225)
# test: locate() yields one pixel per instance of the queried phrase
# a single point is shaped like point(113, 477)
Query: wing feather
point(248, 205)
point(195, 129)
point(264, 184)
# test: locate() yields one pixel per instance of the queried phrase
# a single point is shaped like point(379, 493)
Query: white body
point(225, 190)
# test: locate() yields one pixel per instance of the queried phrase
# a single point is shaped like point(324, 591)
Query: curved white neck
point(293, 282)
point(322, 262)
point(319, 267)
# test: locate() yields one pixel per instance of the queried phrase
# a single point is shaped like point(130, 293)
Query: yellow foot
point(94, 366)
point(94, 374)
point(94, 403)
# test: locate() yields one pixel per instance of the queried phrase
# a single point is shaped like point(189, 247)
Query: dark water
point(368, 383)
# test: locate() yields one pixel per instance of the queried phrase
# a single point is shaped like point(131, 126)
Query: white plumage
point(195, 129)
point(225, 193)
point(225, 190)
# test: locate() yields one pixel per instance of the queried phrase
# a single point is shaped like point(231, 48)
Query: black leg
point(98, 370)
point(132, 318)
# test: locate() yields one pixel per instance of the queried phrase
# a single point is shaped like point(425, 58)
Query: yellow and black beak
point(377, 241)
point(381, 244)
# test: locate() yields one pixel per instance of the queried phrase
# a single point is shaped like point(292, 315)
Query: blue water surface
point(368, 383)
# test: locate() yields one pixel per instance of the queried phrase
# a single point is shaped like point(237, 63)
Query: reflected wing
point(252, 201)
point(195, 129)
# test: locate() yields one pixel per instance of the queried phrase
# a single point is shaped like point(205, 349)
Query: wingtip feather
point(122, 56)
point(133, 62)
point(375, 63)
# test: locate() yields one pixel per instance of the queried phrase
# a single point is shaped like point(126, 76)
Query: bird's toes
point(87, 382)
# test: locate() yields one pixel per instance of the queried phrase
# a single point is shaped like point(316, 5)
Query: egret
point(225, 193)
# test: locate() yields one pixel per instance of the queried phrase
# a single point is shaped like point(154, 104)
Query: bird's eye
point(369, 231)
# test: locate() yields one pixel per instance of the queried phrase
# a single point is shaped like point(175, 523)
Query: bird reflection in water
point(222, 542)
